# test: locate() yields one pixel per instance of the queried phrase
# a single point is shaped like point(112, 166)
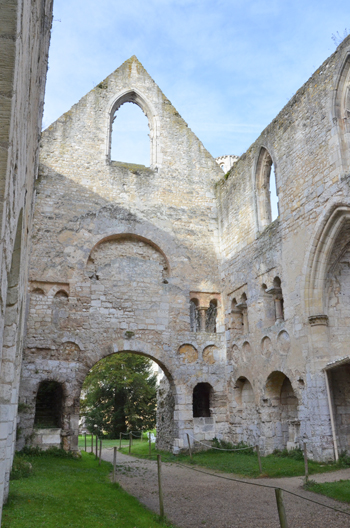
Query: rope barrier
point(267, 486)
point(219, 448)
point(263, 486)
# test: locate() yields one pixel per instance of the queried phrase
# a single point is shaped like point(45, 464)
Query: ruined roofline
point(292, 101)
point(130, 88)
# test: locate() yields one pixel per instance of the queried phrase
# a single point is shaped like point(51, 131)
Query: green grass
point(339, 490)
point(109, 443)
point(244, 465)
point(74, 494)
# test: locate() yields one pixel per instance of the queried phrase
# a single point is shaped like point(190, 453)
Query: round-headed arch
point(131, 236)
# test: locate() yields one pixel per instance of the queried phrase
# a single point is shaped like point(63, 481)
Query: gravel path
point(193, 499)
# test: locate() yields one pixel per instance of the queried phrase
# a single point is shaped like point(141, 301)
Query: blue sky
point(228, 66)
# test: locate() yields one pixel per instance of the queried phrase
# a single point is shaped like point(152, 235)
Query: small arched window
point(48, 408)
point(211, 315)
point(201, 400)
point(194, 315)
point(267, 196)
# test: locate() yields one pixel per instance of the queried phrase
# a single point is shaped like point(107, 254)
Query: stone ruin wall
point(100, 226)
point(24, 41)
point(126, 247)
point(312, 171)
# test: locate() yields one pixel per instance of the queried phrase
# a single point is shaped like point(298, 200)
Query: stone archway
point(280, 422)
point(167, 428)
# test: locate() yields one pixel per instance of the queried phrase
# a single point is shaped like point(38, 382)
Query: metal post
point(114, 463)
point(149, 444)
point(161, 505)
point(280, 507)
point(259, 459)
point(189, 445)
point(120, 440)
point(306, 463)
point(85, 441)
point(130, 440)
point(100, 455)
point(92, 443)
point(96, 444)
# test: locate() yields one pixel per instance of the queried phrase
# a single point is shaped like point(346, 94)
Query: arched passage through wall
point(118, 407)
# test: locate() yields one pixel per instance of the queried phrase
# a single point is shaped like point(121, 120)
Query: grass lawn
point(110, 443)
point(335, 490)
point(74, 493)
point(245, 465)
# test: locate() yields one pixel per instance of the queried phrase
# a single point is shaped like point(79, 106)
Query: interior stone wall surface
point(305, 144)
point(128, 245)
point(129, 258)
point(24, 40)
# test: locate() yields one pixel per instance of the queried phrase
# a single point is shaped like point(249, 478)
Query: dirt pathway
point(193, 499)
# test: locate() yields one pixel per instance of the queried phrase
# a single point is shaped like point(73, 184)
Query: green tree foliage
point(119, 395)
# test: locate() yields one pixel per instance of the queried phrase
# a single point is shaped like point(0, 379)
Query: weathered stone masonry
point(248, 318)
point(24, 41)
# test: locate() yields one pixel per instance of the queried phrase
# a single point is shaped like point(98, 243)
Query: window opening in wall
point(130, 140)
point(201, 400)
point(211, 315)
point(48, 408)
point(276, 293)
point(194, 315)
point(273, 194)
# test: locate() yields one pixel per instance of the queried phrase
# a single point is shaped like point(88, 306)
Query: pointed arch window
point(137, 148)
point(130, 135)
point(267, 194)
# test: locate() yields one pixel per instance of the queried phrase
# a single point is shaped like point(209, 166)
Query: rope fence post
point(161, 505)
point(149, 444)
point(100, 454)
point(259, 459)
point(92, 443)
point(85, 441)
point(306, 464)
point(130, 441)
point(189, 445)
point(114, 463)
point(280, 508)
point(96, 447)
point(120, 440)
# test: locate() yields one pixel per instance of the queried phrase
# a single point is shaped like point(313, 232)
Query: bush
point(296, 454)
point(344, 459)
point(245, 448)
point(21, 468)
point(51, 451)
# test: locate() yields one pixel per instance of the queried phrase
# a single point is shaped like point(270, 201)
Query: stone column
point(279, 308)
point(202, 317)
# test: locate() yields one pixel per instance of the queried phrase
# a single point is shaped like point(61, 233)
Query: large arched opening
point(128, 392)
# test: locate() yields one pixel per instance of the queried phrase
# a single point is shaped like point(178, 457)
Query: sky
point(228, 66)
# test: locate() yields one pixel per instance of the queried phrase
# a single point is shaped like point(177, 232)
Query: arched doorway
point(245, 416)
point(128, 391)
point(280, 413)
